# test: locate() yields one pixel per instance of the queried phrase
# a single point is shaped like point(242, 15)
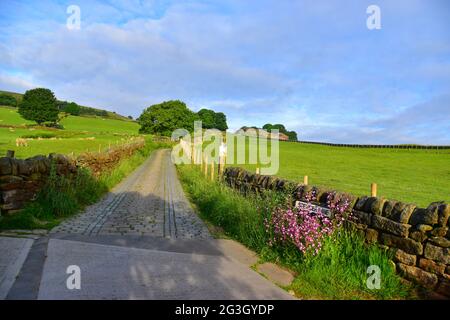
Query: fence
point(380, 146)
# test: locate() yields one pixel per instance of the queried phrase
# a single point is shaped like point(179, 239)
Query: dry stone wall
point(418, 238)
point(22, 179)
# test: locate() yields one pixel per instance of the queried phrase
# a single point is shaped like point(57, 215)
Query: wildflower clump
point(305, 225)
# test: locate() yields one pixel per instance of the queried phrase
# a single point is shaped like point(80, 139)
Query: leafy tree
point(282, 129)
point(208, 118)
point(292, 135)
point(221, 121)
point(39, 105)
point(72, 108)
point(164, 118)
point(213, 120)
point(7, 100)
point(130, 117)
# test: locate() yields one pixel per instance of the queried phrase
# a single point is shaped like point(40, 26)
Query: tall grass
point(62, 196)
point(339, 271)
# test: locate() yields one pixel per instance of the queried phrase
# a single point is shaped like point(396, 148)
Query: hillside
point(107, 114)
point(79, 134)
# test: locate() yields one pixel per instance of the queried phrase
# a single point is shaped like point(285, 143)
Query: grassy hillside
point(80, 134)
point(16, 95)
point(417, 176)
point(109, 114)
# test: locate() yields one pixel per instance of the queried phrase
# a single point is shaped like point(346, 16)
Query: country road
point(143, 240)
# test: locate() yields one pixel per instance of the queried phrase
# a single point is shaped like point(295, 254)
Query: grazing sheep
point(20, 142)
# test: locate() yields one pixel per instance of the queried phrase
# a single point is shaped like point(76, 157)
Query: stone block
point(440, 241)
point(436, 253)
point(375, 205)
point(403, 257)
point(423, 227)
point(360, 203)
point(390, 226)
point(388, 208)
point(402, 212)
point(405, 244)
point(439, 232)
point(5, 166)
point(431, 266)
point(425, 216)
point(418, 235)
point(362, 217)
point(371, 235)
point(443, 214)
point(426, 279)
point(444, 287)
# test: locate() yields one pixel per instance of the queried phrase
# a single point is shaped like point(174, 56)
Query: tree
point(282, 129)
point(39, 105)
point(292, 135)
point(7, 100)
point(72, 108)
point(164, 118)
point(221, 121)
point(208, 118)
point(213, 120)
point(130, 117)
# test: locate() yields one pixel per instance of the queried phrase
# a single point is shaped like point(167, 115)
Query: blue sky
point(311, 65)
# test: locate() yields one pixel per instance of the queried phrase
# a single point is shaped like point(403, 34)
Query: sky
point(313, 66)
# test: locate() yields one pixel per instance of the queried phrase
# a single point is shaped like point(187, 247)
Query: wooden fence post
point(305, 180)
point(257, 170)
point(373, 190)
point(212, 170)
point(206, 167)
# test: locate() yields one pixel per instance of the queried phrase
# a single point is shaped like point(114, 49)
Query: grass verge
point(63, 197)
point(339, 271)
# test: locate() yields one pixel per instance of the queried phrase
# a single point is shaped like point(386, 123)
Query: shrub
point(72, 108)
point(7, 100)
point(39, 105)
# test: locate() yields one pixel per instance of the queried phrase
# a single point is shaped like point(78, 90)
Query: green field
point(80, 134)
point(409, 175)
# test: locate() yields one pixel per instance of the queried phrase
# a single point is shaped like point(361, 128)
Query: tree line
point(163, 118)
point(45, 101)
point(291, 134)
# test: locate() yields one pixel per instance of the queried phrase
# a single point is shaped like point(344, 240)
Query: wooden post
point(222, 168)
point(373, 189)
point(305, 180)
point(201, 162)
point(257, 170)
point(219, 165)
point(10, 153)
point(206, 167)
point(212, 170)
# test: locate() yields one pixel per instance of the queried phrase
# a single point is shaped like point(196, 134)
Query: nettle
point(308, 225)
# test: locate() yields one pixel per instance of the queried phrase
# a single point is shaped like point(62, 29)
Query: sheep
point(20, 142)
